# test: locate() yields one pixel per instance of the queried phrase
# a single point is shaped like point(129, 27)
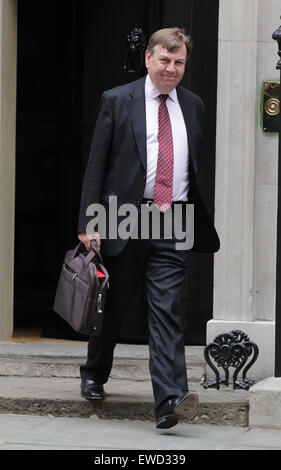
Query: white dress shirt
point(180, 143)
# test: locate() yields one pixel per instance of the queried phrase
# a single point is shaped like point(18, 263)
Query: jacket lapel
point(187, 111)
point(137, 115)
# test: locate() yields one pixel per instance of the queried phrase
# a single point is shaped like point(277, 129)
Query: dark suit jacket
point(117, 160)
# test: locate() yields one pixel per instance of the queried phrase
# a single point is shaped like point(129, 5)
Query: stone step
point(126, 399)
point(42, 378)
point(44, 360)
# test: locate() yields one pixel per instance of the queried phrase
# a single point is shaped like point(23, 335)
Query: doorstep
point(43, 378)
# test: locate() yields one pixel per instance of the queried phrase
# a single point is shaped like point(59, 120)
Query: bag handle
point(76, 249)
point(94, 251)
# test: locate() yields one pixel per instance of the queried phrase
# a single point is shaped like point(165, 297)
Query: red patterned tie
point(163, 192)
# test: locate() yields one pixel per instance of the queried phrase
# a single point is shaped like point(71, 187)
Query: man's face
point(165, 68)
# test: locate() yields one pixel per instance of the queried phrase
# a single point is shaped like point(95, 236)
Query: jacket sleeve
point(99, 152)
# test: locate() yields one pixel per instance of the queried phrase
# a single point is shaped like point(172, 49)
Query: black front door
point(69, 52)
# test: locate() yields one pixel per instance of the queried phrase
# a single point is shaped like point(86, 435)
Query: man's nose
point(171, 67)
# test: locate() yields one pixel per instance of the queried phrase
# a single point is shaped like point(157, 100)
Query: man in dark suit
point(147, 150)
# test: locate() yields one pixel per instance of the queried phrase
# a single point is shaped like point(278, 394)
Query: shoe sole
point(91, 398)
point(187, 407)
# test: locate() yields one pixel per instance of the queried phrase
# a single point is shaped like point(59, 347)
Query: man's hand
point(86, 238)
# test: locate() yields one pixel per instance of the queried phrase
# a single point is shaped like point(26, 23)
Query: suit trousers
point(162, 267)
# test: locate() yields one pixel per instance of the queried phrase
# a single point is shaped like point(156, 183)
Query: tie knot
point(163, 98)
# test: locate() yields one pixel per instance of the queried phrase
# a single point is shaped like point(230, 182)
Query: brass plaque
point(271, 106)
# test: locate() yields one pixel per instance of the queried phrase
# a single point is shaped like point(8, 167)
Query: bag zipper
point(75, 274)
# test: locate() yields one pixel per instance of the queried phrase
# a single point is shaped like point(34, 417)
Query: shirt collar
point(151, 92)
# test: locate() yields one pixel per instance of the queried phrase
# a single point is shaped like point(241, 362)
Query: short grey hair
point(170, 38)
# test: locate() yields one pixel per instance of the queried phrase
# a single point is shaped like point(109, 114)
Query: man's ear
point(147, 58)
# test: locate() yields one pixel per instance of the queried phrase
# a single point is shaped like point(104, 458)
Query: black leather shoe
point(171, 411)
point(92, 390)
